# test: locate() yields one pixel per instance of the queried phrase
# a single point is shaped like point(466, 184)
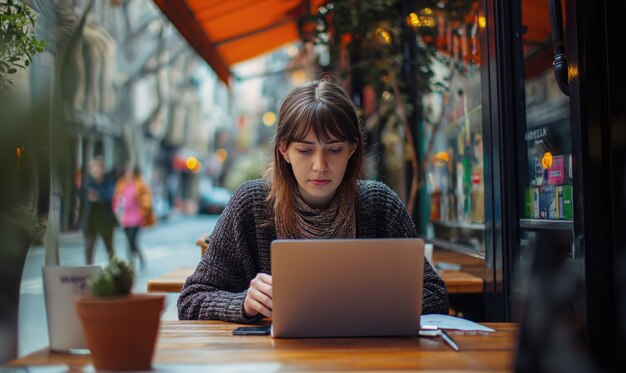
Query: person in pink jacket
point(132, 204)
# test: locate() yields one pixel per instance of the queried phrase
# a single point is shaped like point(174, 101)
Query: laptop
point(347, 287)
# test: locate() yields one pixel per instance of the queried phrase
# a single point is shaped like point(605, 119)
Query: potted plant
point(120, 328)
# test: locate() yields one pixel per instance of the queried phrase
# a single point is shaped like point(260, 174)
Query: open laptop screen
point(347, 287)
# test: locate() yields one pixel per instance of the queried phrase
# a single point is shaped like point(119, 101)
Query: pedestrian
point(132, 204)
point(97, 218)
point(311, 190)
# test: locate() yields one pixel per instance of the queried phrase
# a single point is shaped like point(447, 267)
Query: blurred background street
point(166, 246)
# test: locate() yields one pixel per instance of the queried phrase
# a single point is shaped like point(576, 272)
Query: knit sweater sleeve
point(399, 224)
point(218, 287)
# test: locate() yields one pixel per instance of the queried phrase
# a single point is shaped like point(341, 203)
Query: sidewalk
point(76, 237)
point(166, 246)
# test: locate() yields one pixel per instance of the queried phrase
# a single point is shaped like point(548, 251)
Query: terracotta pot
point(121, 332)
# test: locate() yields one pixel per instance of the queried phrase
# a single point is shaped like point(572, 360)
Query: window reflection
point(453, 141)
point(548, 180)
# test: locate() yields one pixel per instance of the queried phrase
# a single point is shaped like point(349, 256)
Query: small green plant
point(114, 281)
point(18, 44)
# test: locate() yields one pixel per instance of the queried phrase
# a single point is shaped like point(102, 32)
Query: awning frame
point(226, 33)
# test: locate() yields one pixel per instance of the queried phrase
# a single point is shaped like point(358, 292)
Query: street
point(166, 246)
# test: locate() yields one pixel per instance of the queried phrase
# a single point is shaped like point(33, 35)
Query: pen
point(448, 339)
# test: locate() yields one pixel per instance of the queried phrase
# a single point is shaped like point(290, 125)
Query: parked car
point(213, 200)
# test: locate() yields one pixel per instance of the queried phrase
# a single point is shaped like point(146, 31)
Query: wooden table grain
point(211, 344)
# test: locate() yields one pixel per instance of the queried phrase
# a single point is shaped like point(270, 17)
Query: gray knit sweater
point(240, 248)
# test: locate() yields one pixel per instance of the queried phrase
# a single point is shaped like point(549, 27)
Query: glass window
point(453, 135)
point(546, 181)
point(548, 178)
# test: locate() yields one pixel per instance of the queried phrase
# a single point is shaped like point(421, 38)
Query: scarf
point(336, 221)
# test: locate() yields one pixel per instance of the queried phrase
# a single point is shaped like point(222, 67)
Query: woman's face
point(96, 170)
point(128, 172)
point(318, 167)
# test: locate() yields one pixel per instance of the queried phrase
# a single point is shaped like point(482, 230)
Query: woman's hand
point(203, 241)
point(259, 297)
point(93, 195)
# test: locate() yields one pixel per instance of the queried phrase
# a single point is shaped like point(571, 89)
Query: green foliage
point(376, 34)
point(115, 280)
point(247, 167)
point(360, 21)
point(18, 44)
point(375, 30)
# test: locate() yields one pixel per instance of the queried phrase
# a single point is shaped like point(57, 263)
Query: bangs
point(326, 123)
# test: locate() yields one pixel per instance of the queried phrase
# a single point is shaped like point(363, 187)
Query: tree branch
point(133, 34)
point(180, 53)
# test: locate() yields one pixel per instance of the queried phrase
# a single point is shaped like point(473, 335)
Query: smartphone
point(253, 330)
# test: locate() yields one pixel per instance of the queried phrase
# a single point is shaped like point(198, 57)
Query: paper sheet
point(451, 322)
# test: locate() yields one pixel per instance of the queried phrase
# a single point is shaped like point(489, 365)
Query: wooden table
point(456, 281)
point(211, 345)
point(171, 282)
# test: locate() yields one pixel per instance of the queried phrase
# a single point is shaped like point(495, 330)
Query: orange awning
point(538, 49)
point(227, 32)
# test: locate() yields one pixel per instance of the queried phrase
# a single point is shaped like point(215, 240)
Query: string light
point(221, 155)
point(546, 160)
point(383, 35)
point(269, 118)
point(192, 162)
point(482, 22)
point(413, 20)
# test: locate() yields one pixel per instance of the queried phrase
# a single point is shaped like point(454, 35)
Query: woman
point(311, 191)
point(132, 204)
point(97, 219)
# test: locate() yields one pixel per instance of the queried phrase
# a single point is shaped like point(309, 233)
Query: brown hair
point(323, 107)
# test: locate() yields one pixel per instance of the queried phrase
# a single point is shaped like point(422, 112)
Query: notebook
point(346, 287)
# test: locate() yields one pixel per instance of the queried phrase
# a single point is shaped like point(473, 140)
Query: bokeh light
point(269, 118)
